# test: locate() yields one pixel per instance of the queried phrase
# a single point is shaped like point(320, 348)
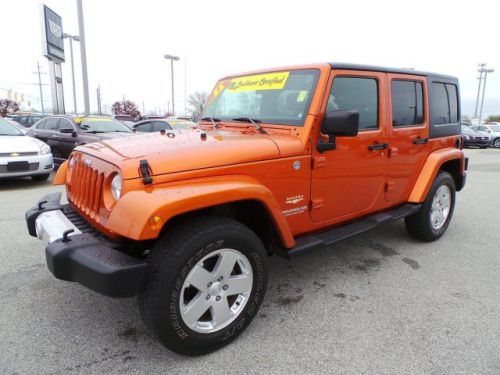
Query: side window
point(407, 103)
point(41, 125)
point(444, 103)
point(65, 124)
point(51, 124)
point(160, 125)
point(353, 93)
point(146, 127)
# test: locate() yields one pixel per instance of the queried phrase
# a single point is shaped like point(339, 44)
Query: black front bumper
point(87, 260)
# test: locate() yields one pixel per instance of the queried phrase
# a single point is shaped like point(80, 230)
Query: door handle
point(420, 141)
point(378, 146)
point(55, 136)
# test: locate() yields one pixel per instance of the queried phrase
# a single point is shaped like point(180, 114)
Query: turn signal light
point(155, 222)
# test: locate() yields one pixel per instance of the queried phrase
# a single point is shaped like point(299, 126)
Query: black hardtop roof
point(348, 66)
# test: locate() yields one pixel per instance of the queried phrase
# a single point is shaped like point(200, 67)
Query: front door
point(349, 181)
point(409, 134)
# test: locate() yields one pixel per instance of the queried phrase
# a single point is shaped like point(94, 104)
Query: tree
point(126, 107)
point(493, 118)
point(8, 106)
point(197, 102)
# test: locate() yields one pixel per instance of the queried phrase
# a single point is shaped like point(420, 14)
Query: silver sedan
point(21, 155)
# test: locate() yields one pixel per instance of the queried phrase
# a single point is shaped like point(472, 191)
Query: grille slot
point(85, 189)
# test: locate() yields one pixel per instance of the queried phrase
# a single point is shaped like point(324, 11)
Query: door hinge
point(389, 186)
point(317, 203)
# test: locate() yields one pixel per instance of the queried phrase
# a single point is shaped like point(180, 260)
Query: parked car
point(22, 156)
point(28, 120)
point(181, 122)
point(284, 161)
point(22, 128)
point(473, 138)
point(63, 133)
point(148, 126)
point(493, 130)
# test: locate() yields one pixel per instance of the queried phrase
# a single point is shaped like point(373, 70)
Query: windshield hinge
point(145, 171)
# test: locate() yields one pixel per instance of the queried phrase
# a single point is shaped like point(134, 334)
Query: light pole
point(83, 55)
point(172, 58)
point(480, 70)
point(485, 71)
point(76, 39)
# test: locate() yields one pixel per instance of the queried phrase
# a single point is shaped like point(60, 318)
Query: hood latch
point(146, 171)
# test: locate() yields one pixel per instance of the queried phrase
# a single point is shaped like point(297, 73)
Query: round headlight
point(44, 149)
point(71, 162)
point(116, 186)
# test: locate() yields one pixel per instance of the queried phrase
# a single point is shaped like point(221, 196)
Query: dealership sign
point(52, 35)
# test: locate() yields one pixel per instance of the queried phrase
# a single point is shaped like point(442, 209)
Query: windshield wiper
point(213, 120)
point(94, 131)
point(254, 122)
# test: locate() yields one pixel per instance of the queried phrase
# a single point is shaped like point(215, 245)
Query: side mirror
point(68, 131)
point(338, 124)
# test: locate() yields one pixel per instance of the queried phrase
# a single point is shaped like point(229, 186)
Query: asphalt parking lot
point(377, 303)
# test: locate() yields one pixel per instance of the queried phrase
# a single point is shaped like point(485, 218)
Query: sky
point(126, 41)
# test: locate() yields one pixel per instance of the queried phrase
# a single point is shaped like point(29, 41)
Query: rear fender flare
point(430, 170)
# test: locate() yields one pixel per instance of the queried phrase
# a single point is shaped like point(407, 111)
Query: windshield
point(7, 128)
point(103, 125)
point(495, 128)
point(276, 98)
point(466, 129)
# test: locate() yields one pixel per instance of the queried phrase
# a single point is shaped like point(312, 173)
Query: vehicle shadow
point(118, 326)
point(22, 183)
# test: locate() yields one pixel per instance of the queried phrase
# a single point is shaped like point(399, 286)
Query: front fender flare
point(430, 170)
point(130, 216)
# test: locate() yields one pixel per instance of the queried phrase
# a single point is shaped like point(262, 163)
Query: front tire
point(433, 219)
point(205, 282)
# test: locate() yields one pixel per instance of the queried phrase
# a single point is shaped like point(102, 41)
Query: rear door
point(349, 181)
point(409, 134)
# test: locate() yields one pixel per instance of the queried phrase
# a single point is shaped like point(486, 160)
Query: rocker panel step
point(313, 242)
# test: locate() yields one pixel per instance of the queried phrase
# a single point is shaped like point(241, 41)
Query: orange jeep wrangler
point(283, 161)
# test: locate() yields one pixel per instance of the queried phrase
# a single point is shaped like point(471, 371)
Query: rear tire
point(40, 177)
point(433, 219)
point(185, 298)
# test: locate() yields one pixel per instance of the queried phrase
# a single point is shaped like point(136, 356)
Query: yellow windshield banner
point(267, 81)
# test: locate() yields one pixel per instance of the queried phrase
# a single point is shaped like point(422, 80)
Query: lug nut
point(209, 284)
point(220, 278)
point(225, 287)
point(208, 296)
point(217, 298)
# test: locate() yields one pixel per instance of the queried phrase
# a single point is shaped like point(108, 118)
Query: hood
point(184, 150)
point(21, 143)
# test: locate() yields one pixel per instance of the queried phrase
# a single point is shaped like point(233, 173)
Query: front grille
point(16, 154)
point(85, 188)
point(32, 167)
point(481, 138)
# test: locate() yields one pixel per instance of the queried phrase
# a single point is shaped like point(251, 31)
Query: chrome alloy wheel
point(440, 208)
point(216, 291)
